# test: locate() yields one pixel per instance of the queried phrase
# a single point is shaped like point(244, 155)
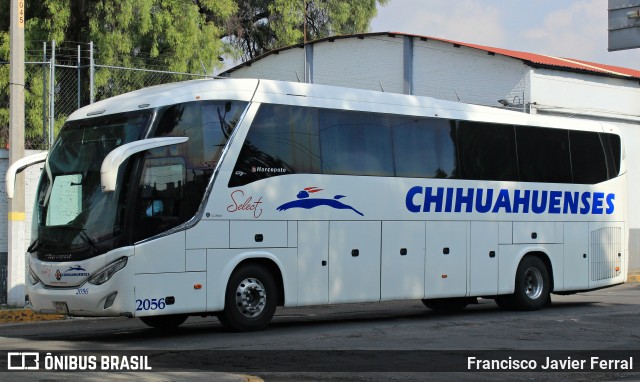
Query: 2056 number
point(151, 304)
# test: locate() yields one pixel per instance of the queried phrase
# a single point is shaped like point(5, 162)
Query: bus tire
point(250, 299)
point(532, 285)
point(167, 322)
point(446, 305)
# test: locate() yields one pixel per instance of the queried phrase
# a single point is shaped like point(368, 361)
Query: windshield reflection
point(73, 214)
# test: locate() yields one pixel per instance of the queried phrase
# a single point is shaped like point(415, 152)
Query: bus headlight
point(33, 279)
point(105, 274)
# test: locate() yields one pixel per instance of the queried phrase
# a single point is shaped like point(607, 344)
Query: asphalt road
point(393, 341)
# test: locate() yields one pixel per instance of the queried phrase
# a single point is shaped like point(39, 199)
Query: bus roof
point(323, 96)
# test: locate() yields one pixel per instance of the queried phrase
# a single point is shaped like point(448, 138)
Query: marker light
point(105, 274)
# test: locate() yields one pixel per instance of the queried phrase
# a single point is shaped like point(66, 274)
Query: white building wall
point(585, 94)
point(286, 66)
point(360, 63)
point(441, 70)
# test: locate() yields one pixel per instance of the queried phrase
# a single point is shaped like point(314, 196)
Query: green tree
point(173, 35)
point(262, 25)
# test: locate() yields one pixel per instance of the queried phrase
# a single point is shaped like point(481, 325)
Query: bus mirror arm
point(17, 167)
point(112, 162)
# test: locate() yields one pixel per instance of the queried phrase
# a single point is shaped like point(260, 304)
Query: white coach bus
point(232, 197)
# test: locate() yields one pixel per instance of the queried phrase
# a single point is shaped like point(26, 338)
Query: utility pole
point(16, 259)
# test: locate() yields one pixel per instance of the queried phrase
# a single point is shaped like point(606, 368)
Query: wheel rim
point(533, 283)
point(251, 297)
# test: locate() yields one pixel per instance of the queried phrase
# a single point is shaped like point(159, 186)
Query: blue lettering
point(539, 208)
point(610, 199)
point(449, 200)
point(481, 200)
point(570, 202)
point(523, 201)
point(409, 200)
point(430, 198)
point(597, 203)
point(466, 199)
point(502, 202)
point(585, 203)
point(554, 202)
point(484, 208)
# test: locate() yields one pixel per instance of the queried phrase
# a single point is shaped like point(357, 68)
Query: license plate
point(61, 307)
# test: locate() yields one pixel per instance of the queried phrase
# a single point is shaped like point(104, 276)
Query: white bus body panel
point(576, 259)
point(354, 261)
point(446, 262)
point(208, 234)
point(484, 259)
point(313, 262)
point(403, 260)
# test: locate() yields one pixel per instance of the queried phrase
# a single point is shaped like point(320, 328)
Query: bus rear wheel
point(250, 299)
point(446, 305)
point(171, 321)
point(532, 286)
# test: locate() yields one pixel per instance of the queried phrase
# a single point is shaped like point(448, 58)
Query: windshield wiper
point(81, 232)
point(87, 239)
point(34, 246)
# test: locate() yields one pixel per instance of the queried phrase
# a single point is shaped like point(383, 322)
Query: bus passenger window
point(543, 155)
point(424, 148)
point(355, 143)
point(587, 157)
point(487, 151)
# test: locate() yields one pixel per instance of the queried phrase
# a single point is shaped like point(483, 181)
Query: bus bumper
point(115, 297)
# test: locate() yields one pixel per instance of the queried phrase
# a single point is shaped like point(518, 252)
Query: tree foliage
point(262, 25)
point(174, 35)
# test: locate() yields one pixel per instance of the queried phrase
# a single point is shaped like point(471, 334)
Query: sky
point(566, 28)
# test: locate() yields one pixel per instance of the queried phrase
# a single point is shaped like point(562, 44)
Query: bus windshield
point(74, 219)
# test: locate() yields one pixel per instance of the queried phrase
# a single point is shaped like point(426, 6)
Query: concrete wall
point(360, 64)
point(32, 177)
point(444, 71)
point(286, 66)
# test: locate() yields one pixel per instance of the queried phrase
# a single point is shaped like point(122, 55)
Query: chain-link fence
point(60, 78)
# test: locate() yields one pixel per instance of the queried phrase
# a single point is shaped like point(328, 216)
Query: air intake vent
point(606, 250)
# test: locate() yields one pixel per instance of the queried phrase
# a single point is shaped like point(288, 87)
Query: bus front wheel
point(532, 286)
point(250, 299)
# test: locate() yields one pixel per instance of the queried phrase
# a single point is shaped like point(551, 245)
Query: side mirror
point(17, 167)
point(112, 162)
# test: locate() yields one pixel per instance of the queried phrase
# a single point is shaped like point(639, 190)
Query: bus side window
point(355, 143)
point(424, 147)
point(543, 155)
point(587, 157)
point(487, 151)
point(161, 193)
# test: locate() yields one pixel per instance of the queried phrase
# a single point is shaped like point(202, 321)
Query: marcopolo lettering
point(482, 200)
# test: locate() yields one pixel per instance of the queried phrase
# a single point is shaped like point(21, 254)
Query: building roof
point(534, 59)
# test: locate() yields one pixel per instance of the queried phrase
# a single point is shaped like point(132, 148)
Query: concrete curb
point(26, 315)
point(633, 277)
